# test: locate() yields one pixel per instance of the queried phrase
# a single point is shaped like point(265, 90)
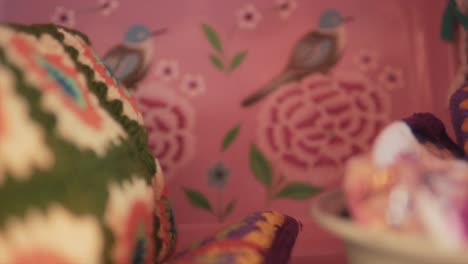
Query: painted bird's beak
point(158, 32)
point(348, 19)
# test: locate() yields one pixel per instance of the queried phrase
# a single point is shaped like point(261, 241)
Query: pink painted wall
point(400, 37)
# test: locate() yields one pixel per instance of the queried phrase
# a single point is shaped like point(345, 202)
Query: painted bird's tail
point(274, 84)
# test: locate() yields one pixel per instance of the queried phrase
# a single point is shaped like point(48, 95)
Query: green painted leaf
point(281, 179)
point(229, 208)
point(238, 59)
point(298, 191)
point(260, 166)
point(198, 200)
point(217, 62)
point(212, 37)
point(231, 135)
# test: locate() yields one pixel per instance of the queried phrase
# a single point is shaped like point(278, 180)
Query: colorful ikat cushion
point(78, 183)
point(263, 237)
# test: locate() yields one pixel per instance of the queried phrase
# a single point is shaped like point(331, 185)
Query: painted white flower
point(248, 17)
point(80, 118)
point(107, 7)
point(129, 214)
point(22, 142)
point(56, 236)
point(64, 17)
point(391, 78)
point(115, 91)
point(286, 7)
point(193, 84)
point(366, 60)
point(167, 70)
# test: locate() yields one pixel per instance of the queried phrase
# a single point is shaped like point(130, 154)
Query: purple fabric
point(246, 226)
point(459, 114)
point(281, 249)
point(427, 127)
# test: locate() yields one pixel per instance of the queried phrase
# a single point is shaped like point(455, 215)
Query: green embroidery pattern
point(78, 180)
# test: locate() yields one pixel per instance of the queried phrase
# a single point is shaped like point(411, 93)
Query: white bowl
point(366, 246)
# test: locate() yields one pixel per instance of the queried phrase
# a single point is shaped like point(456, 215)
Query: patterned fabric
point(263, 237)
point(459, 113)
point(75, 166)
point(72, 145)
point(167, 231)
point(114, 91)
point(431, 133)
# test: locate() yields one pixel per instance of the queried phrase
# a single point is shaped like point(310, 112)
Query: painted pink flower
point(248, 17)
point(286, 7)
point(391, 78)
point(106, 7)
point(318, 124)
point(167, 70)
point(64, 17)
point(169, 120)
point(366, 60)
point(193, 84)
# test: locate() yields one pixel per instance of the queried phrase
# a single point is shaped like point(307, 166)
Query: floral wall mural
point(254, 105)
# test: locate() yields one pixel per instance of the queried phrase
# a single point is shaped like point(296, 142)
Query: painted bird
point(317, 51)
point(130, 61)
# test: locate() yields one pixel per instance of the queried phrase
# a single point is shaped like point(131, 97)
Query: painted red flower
point(88, 57)
point(170, 122)
point(80, 117)
point(129, 214)
point(320, 123)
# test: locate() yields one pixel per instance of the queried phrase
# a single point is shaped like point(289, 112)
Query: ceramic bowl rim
point(410, 246)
